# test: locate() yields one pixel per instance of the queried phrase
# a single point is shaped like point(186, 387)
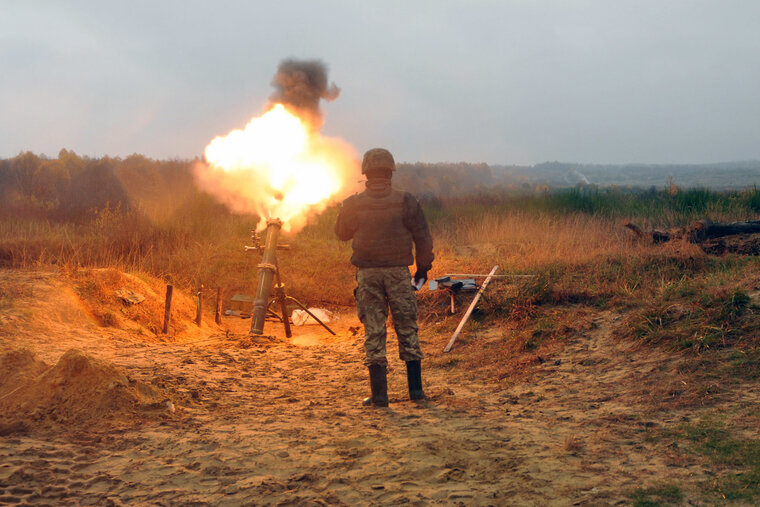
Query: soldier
point(384, 223)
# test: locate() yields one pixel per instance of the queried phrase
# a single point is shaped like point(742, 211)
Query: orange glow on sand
point(278, 166)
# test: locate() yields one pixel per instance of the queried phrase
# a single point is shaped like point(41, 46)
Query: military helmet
point(378, 158)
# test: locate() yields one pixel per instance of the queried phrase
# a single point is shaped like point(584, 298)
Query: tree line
point(73, 187)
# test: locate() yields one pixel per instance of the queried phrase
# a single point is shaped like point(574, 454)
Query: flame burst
point(278, 166)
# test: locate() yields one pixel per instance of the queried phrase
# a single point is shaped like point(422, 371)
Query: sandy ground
point(280, 422)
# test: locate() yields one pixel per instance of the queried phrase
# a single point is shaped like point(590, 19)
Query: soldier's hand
point(420, 277)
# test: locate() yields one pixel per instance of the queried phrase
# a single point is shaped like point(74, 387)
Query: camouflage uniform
point(377, 289)
point(384, 224)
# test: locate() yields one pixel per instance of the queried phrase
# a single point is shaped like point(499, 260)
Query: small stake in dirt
point(200, 305)
point(470, 309)
point(218, 314)
point(168, 308)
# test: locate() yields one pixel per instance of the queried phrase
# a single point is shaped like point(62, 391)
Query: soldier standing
point(384, 223)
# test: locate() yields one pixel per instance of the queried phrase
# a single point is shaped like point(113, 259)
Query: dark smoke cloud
point(301, 84)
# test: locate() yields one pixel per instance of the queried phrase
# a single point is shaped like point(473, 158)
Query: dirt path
point(281, 424)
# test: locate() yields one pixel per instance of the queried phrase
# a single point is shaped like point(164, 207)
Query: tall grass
point(660, 208)
point(572, 238)
point(521, 240)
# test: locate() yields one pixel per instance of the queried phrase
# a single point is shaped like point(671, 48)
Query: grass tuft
point(663, 494)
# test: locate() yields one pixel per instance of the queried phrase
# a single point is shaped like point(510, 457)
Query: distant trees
point(443, 179)
point(71, 186)
point(22, 170)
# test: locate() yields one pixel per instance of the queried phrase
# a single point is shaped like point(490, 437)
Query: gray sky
point(654, 81)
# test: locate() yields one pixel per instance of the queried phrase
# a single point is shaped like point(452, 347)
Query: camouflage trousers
point(379, 289)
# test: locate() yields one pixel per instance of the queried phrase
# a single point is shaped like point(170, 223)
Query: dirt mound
point(134, 302)
point(18, 367)
point(79, 390)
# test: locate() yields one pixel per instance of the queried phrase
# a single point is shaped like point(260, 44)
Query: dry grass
point(524, 242)
point(573, 444)
point(574, 258)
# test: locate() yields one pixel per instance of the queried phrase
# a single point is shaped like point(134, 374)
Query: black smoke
point(301, 84)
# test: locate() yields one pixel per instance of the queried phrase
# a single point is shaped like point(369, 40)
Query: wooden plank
point(698, 232)
point(470, 309)
point(705, 229)
point(218, 312)
point(168, 308)
point(199, 310)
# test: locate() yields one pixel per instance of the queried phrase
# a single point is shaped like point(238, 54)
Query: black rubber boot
point(414, 378)
point(378, 382)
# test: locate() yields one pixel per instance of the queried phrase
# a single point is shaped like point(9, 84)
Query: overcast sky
point(660, 81)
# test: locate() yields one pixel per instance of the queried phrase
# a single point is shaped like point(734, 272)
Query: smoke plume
point(574, 177)
point(301, 84)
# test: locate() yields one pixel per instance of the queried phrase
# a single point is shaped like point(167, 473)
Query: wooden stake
point(198, 315)
point(470, 309)
point(218, 315)
point(168, 308)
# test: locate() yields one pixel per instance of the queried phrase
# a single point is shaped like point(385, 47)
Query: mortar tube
point(267, 269)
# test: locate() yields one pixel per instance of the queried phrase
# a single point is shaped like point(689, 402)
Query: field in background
point(141, 215)
point(146, 215)
point(199, 242)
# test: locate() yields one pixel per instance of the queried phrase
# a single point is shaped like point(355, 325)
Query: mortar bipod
point(282, 298)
